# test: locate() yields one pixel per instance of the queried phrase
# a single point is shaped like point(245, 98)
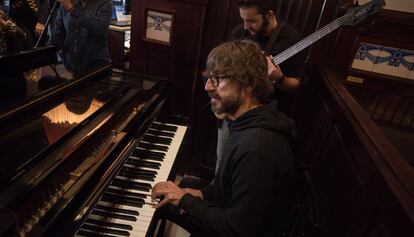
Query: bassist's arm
point(289, 84)
point(284, 83)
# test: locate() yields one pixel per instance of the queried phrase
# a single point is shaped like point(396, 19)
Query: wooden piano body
point(83, 154)
point(362, 184)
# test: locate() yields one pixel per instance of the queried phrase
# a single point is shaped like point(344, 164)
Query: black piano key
point(104, 230)
point(155, 139)
point(154, 158)
point(88, 233)
point(113, 215)
point(151, 173)
point(142, 163)
point(129, 184)
point(149, 146)
point(164, 127)
point(130, 175)
point(138, 152)
point(109, 224)
point(117, 210)
point(160, 133)
point(135, 202)
point(125, 193)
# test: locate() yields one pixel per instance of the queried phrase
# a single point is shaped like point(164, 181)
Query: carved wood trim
point(396, 171)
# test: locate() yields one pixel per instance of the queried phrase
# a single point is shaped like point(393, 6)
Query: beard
point(225, 105)
point(262, 31)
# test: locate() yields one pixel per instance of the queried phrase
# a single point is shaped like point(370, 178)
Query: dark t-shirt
point(288, 36)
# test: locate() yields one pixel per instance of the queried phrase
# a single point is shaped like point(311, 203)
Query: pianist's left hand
point(170, 191)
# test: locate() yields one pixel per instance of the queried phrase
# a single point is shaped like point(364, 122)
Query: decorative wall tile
point(366, 56)
point(385, 60)
point(159, 25)
point(410, 60)
point(389, 62)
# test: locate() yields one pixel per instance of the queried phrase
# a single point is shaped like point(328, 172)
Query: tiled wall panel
point(384, 60)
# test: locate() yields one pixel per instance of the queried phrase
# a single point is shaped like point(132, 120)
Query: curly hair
point(244, 62)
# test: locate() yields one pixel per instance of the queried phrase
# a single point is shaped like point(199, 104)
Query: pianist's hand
point(170, 191)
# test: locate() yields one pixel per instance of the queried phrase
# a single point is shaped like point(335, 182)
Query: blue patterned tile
point(389, 62)
point(366, 56)
point(409, 62)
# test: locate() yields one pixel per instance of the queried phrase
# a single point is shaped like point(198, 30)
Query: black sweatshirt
point(251, 191)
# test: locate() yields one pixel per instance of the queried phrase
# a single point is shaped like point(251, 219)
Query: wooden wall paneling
point(390, 28)
point(303, 16)
point(116, 48)
point(321, 51)
point(296, 16)
point(186, 55)
point(219, 21)
point(176, 61)
point(291, 11)
point(233, 17)
point(382, 156)
point(377, 227)
point(367, 178)
point(320, 122)
point(284, 9)
point(338, 186)
point(359, 195)
point(390, 219)
point(341, 55)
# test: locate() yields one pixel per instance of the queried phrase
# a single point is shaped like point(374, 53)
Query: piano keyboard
point(125, 208)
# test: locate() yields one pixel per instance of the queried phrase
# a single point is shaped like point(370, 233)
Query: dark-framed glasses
point(215, 79)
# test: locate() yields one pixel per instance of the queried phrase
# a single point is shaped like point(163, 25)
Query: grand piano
point(79, 154)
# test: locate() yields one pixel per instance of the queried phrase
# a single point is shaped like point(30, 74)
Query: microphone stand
point(55, 5)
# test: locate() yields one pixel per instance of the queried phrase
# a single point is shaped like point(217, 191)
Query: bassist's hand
point(273, 71)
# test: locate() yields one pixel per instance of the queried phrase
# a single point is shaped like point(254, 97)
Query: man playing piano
point(252, 187)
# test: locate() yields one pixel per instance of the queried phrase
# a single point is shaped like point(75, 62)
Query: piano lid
point(79, 135)
point(23, 142)
point(28, 73)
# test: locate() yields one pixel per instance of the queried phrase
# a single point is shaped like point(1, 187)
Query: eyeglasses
point(215, 79)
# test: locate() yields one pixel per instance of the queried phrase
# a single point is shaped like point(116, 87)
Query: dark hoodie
point(252, 187)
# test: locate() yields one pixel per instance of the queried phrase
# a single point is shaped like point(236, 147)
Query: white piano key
point(141, 227)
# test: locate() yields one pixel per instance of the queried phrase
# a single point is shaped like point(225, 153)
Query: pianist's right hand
point(169, 191)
